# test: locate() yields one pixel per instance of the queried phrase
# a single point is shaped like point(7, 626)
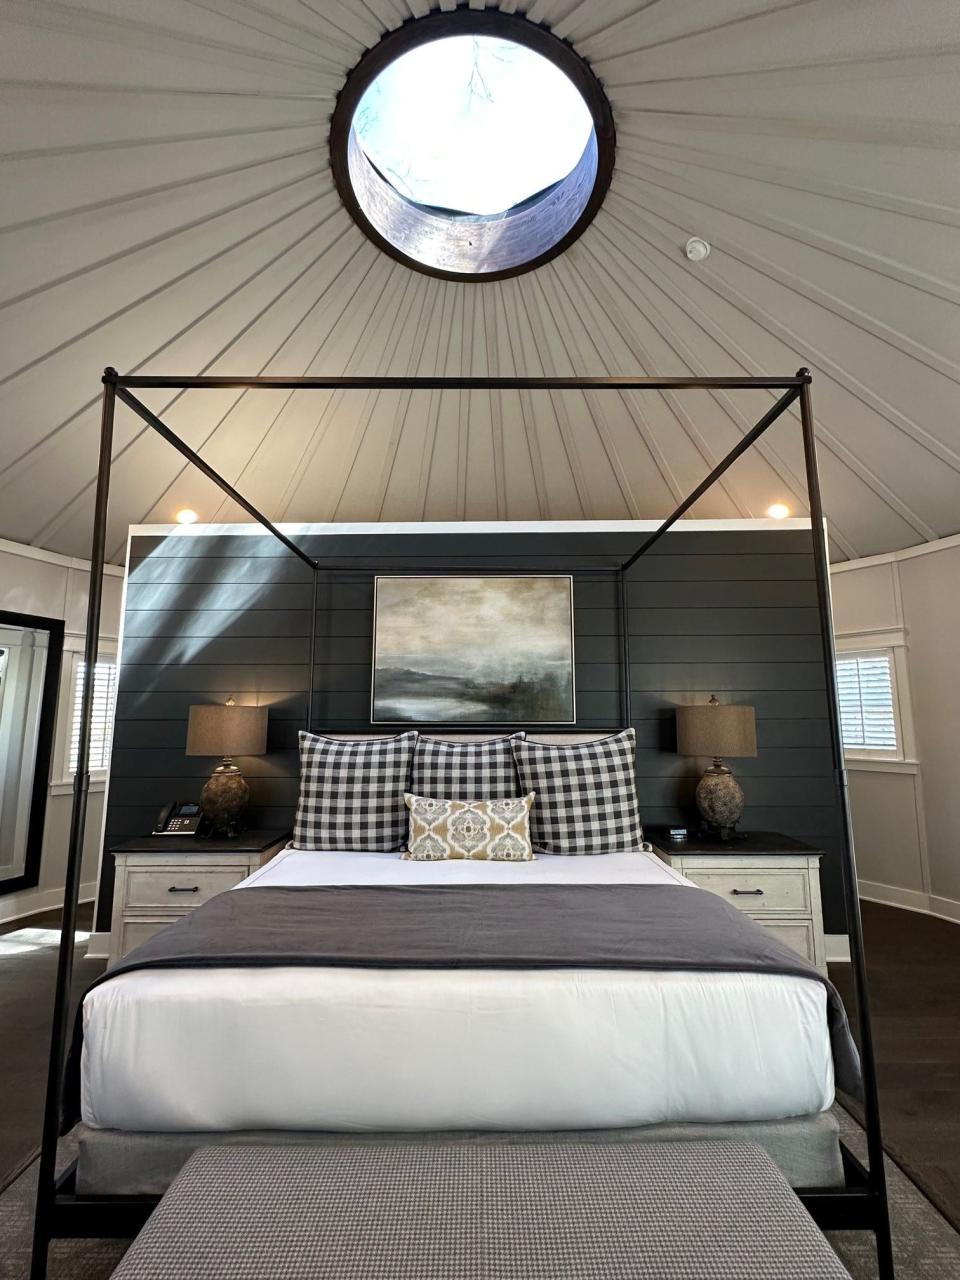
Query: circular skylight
point(472, 144)
point(472, 124)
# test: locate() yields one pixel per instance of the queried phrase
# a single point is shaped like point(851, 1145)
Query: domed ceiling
point(167, 206)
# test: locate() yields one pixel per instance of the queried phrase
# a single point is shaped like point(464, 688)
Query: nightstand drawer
point(756, 890)
point(133, 932)
point(178, 887)
point(798, 934)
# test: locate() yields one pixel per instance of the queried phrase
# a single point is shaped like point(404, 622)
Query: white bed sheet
point(381, 1049)
point(297, 866)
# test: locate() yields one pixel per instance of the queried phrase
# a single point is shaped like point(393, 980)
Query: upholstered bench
point(672, 1211)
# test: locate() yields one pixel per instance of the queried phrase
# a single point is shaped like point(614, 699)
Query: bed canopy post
point(46, 1177)
point(871, 1101)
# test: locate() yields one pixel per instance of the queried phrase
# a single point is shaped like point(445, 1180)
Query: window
point(472, 144)
point(104, 694)
point(866, 685)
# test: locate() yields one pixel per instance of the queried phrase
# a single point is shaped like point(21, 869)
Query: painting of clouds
point(473, 650)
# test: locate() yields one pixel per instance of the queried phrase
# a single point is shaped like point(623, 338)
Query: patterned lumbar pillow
point(351, 793)
point(586, 795)
point(464, 770)
point(488, 830)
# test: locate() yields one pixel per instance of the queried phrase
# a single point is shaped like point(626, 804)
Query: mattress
point(356, 1050)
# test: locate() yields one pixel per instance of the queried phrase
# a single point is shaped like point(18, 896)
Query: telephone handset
point(178, 819)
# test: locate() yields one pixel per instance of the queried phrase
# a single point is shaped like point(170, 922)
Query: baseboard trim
point(33, 901)
point(927, 904)
point(892, 895)
point(945, 908)
point(837, 948)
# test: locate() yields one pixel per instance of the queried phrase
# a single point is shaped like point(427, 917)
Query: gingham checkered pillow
point(351, 793)
point(586, 795)
point(466, 770)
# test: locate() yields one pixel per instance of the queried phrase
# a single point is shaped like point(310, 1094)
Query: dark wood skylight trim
point(481, 22)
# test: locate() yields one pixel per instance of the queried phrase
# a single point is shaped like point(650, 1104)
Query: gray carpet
point(926, 1246)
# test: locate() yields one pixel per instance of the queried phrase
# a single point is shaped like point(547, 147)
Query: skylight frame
point(497, 25)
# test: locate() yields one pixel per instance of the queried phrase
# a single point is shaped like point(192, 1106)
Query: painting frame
point(507, 720)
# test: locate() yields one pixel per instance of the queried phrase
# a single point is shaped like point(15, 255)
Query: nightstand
point(161, 878)
point(773, 878)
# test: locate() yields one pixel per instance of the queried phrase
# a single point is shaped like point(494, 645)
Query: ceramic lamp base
point(224, 799)
point(720, 802)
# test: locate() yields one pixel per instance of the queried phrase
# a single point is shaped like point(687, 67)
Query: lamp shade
point(218, 730)
point(713, 729)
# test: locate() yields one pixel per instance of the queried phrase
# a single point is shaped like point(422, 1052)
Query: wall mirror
point(31, 650)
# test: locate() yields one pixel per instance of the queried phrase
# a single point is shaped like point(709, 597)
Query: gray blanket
point(477, 927)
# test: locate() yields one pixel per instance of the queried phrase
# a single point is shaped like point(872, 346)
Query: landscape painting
point(473, 650)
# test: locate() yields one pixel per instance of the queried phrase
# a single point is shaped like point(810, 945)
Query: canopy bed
point(435, 978)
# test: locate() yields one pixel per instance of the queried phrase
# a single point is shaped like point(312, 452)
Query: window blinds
point(104, 688)
point(867, 712)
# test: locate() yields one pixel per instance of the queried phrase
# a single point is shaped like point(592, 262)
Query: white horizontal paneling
point(167, 206)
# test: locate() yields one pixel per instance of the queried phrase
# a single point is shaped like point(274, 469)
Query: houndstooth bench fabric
point(672, 1211)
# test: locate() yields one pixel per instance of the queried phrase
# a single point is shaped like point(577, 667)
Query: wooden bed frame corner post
point(46, 1177)
point(877, 1182)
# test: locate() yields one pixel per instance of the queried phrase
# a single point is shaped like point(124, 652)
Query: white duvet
point(397, 1049)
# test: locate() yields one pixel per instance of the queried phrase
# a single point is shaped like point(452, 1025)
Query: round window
point(472, 145)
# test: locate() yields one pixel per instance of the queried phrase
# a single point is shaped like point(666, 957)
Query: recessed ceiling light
point(186, 516)
point(779, 511)
point(696, 249)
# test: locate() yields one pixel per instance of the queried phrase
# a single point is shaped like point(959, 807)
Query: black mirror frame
point(29, 878)
point(459, 22)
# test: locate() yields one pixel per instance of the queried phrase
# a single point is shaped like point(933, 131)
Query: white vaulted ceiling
point(167, 207)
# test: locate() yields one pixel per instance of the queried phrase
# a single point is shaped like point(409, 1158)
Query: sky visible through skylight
point(472, 123)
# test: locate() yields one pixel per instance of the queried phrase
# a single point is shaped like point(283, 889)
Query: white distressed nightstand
point(161, 878)
point(774, 879)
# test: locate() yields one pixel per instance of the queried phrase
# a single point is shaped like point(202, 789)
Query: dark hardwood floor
point(27, 980)
point(913, 964)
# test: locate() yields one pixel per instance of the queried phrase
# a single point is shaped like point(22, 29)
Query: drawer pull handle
point(174, 888)
point(748, 893)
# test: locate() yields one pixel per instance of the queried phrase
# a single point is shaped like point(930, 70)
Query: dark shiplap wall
point(730, 612)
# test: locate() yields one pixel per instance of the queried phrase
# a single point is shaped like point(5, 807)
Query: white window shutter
point(865, 687)
point(101, 729)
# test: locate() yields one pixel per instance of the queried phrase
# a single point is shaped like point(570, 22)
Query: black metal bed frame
point(861, 1204)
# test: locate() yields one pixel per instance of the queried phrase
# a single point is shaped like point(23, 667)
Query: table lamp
point(226, 730)
point(718, 731)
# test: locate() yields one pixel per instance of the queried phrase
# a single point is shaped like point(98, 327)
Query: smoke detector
point(696, 249)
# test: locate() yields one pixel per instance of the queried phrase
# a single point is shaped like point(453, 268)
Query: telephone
point(178, 819)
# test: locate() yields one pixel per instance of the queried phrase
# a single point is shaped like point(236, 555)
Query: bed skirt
point(118, 1162)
